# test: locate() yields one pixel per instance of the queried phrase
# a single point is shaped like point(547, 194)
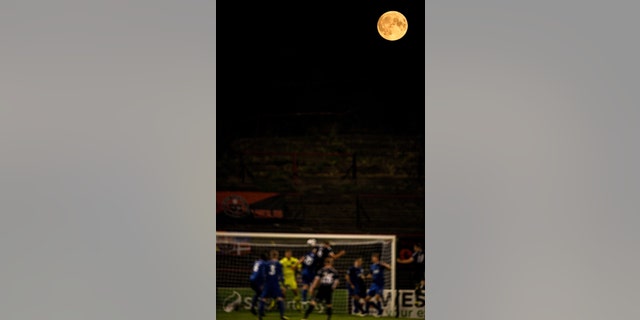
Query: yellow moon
point(392, 25)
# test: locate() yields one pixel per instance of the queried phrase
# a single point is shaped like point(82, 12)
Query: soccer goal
point(236, 252)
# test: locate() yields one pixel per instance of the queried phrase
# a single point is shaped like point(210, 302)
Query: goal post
point(237, 251)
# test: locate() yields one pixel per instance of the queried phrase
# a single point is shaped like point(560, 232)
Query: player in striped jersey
point(325, 282)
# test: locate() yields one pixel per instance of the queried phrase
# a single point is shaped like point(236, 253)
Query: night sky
point(287, 58)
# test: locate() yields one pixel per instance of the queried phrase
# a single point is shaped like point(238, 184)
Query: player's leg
point(257, 294)
point(418, 279)
point(296, 295)
point(261, 304)
point(254, 300)
point(281, 307)
point(329, 304)
point(362, 294)
point(305, 289)
point(268, 292)
point(419, 286)
point(306, 282)
point(378, 303)
point(358, 310)
point(285, 289)
point(354, 296)
point(292, 286)
point(367, 300)
point(352, 299)
point(272, 304)
point(417, 291)
point(297, 302)
point(310, 307)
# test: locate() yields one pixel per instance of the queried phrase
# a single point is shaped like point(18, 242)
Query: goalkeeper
point(290, 267)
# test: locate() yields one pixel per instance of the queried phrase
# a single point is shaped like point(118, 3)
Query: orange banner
point(244, 204)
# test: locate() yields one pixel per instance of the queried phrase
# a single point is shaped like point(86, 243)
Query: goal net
point(237, 251)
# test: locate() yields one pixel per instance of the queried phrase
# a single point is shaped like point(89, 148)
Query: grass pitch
point(292, 314)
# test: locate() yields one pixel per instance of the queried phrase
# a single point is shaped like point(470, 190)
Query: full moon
point(392, 25)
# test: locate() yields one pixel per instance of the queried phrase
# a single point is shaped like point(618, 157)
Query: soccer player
point(272, 273)
point(308, 272)
point(377, 284)
point(289, 269)
point(356, 285)
point(256, 280)
point(417, 260)
point(324, 251)
point(325, 282)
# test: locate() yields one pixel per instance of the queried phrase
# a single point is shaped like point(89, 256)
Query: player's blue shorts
point(257, 287)
point(357, 290)
point(271, 291)
point(307, 277)
point(374, 289)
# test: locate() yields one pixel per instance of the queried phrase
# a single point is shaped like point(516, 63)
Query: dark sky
point(284, 57)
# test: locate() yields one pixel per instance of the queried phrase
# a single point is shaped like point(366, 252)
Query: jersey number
point(327, 278)
point(272, 270)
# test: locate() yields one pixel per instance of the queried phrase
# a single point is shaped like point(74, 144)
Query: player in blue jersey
point(307, 272)
point(256, 280)
point(356, 285)
point(377, 284)
point(272, 273)
point(417, 261)
point(325, 282)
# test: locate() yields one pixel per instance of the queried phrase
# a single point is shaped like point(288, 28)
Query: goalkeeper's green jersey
point(288, 267)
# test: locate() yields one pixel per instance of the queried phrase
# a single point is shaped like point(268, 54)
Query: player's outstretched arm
point(339, 254)
point(405, 261)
